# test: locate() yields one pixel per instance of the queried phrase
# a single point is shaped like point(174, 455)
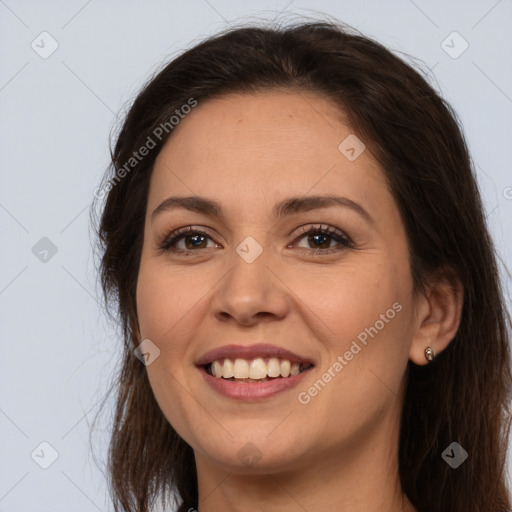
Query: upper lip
point(250, 352)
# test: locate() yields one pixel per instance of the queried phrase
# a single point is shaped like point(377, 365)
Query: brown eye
point(186, 240)
point(320, 240)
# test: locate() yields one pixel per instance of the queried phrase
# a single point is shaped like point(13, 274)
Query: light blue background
point(56, 114)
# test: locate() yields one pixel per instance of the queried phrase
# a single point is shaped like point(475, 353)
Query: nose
point(251, 292)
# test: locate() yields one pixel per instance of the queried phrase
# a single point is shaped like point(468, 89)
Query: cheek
point(163, 301)
point(151, 304)
point(162, 306)
point(349, 299)
point(361, 377)
point(363, 314)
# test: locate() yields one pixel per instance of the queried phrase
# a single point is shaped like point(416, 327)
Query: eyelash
point(338, 236)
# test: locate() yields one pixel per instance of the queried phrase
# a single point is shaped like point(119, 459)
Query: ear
point(438, 313)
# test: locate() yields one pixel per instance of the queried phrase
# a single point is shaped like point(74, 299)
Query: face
point(326, 280)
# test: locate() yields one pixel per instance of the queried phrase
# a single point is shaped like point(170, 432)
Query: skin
point(340, 450)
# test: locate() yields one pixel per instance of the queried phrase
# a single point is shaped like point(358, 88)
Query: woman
point(311, 306)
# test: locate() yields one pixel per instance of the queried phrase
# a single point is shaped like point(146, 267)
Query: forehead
point(276, 121)
point(262, 145)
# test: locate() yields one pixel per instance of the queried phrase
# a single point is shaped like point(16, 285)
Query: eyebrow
point(282, 209)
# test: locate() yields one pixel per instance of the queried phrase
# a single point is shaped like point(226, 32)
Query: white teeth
point(241, 370)
point(255, 369)
point(285, 368)
point(273, 367)
point(228, 369)
point(217, 369)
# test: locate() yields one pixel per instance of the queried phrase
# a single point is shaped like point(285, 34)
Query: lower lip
point(252, 391)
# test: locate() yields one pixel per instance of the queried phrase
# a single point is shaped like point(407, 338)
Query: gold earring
point(429, 353)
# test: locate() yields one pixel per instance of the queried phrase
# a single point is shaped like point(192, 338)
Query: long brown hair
point(464, 394)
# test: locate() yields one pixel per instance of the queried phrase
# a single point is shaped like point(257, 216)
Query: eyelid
point(325, 228)
point(179, 233)
point(344, 241)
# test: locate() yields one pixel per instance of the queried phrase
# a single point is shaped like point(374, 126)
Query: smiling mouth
point(255, 370)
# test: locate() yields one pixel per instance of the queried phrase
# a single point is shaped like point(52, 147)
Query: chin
point(256, 454)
